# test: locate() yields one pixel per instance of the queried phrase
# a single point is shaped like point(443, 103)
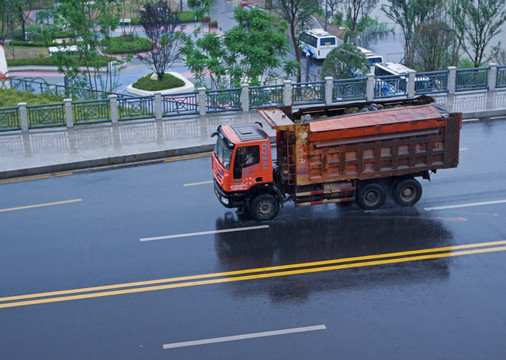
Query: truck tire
point(371, 196)
point(264, 207)
point(407, 192)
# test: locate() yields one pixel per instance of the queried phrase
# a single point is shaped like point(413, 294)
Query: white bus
point(317, 43)
point(422, 83)
point(372, 57)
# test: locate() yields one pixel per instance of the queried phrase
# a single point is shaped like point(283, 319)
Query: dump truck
point(360, 152)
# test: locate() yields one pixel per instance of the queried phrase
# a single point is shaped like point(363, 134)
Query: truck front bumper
point(230, 199)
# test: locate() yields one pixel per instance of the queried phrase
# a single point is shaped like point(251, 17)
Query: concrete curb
point(106, 162)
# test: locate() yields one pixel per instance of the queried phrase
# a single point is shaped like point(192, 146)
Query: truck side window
point(251, 156)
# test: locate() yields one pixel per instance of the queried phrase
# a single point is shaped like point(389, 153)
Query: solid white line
point(40, 205)
point(205, 233)
point(199, 183)
point(466, 205)
point(245, 336)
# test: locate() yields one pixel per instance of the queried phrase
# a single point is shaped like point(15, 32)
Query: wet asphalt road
point(332, 294)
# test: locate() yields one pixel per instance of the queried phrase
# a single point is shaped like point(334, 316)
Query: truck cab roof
point(246, 132)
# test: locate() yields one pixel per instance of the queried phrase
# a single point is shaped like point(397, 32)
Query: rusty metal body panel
point(395, 142)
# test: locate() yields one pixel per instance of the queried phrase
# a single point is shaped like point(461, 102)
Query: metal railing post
point(492, 77)
point(68, 113)
point(202, 101)
point(23, 117)
point(369, 91)
point(452, 80)
point(245, 97)
point(113, 103)
point(287, 93)
point(158, 106)
point(411, 84)
point(329, 85)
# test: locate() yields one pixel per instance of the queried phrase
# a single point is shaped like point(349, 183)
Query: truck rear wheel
point(407, 192)
point(371, 196)
point(264, 207)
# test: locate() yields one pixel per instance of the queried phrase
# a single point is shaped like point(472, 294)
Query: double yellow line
point(251, 274)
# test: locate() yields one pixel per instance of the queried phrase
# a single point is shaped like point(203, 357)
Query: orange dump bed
point(400, 141)
point(372, 123)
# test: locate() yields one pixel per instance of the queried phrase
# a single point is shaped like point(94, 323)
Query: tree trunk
point(297, 51)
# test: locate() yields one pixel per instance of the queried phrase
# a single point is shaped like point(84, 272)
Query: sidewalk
point(59, 150)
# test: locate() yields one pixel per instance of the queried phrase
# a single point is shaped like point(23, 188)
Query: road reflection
point(326, 233)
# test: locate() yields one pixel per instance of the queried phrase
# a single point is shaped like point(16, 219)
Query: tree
point(296, 13)
point(205, 58)
point(256, 46)
point(253, 51)
point(357, 7)
point(90, 21)
point(202, 8)
point(345, 61)
point(434, 46)
point(477, 22)
point(22, 10)
point(409, 14)
point(160, 24)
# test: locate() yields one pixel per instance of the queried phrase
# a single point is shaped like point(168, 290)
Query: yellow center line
point(249, 277)
point(187, 157)
point(254, 270)
point(41, 205)
point(34, 178)
point(250, 274)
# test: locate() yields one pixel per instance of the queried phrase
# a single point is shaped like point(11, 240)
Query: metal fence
point(91, 112)
point(180, 104)
point(9, 119)
point(349, 89)
point(265, 96)
point(117, 109)
point(308, 93)
point(472, 79)
point(431, 82)
point(140, 107)
point(501, 76)
point(49, 115)
point(390, 86)
point(42, 87)
point(223, 100)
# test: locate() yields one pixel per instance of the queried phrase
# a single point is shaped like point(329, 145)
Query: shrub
point(168, 82)
point(120, 45)
point(187, 16)
point(51, 61)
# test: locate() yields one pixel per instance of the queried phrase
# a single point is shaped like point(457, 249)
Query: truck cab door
point(247, 168)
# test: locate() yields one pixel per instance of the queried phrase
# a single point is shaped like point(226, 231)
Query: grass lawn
point(12, 97)
point(24, 51)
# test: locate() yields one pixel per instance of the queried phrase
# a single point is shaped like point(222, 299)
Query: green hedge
point(51, 61)
point(119, 45)
point(27, 43)
point(168, 82)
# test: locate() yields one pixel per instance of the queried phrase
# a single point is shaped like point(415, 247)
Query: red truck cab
point(242, 164)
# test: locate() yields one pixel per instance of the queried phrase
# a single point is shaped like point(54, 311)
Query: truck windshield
point(222, 153)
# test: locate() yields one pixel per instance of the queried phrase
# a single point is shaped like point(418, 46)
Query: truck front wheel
point(371, 196)
point(407, 192)
point(264, 207)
